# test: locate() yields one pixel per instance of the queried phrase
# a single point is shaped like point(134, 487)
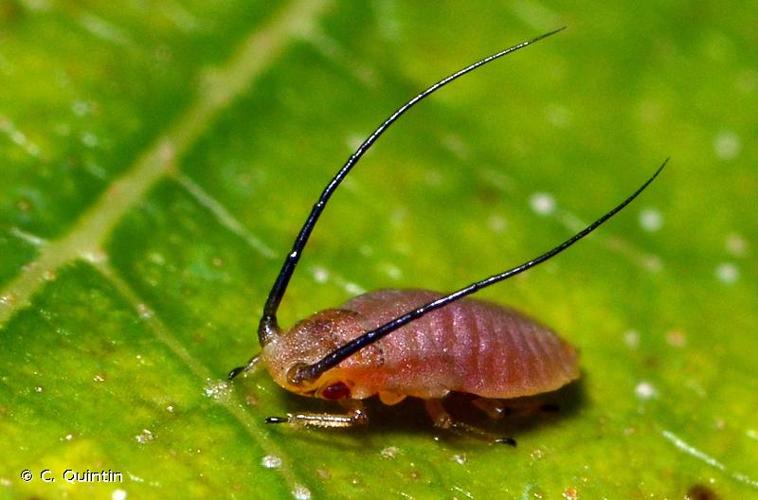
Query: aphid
point(400, 343)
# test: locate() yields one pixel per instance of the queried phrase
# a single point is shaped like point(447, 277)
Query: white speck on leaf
point(156, 258)
point(645, 390)
point(144, 436)
point(390, 452)
point(135, 478)
point(465, 493)
point(271, 462)
point(651, 219)
point(727, 273)
point(300, 492)
point(144, 311)
point(496, 223)
point(18, 137)
point(217, 389)
point(81, 108)
point(320, 275)
point(118, 494)
point(94, 256)
point(354, 288)
point(542, 203)
point(632, 338)
point(90, 140)
point(727, 145)
point(393, 271)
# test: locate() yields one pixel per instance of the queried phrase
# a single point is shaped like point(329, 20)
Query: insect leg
point(439, 415)
point(444, 420)
point(356, 416)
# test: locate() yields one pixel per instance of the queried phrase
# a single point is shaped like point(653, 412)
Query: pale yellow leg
point(438, 414)
point(356, 416)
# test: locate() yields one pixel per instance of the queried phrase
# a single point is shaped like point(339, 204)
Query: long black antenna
point(311, 372)
point(268, 327)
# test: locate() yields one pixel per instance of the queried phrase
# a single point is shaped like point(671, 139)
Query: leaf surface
point(158, 159)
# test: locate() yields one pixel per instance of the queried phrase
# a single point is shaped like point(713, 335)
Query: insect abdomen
point(469, 346)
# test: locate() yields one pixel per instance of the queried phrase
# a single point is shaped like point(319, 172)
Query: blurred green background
point(157, 159)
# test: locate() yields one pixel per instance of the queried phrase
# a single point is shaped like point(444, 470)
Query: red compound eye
point(336, 391)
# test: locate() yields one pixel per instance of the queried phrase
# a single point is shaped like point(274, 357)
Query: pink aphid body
point(469, 346)
point(400, 343)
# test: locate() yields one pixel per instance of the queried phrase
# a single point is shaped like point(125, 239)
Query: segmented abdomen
point(468, 346)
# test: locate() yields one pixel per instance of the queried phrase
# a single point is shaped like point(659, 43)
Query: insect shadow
point(519, 418)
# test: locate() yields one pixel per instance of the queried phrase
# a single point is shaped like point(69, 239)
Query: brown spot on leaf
point(701, 492)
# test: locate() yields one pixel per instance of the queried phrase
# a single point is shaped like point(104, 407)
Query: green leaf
point(158, 159)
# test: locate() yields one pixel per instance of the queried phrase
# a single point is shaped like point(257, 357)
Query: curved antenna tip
point(549, 33)
point(665, 162)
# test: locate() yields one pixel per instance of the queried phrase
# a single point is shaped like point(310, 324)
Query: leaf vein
point(223, 215)
point(252, 57)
